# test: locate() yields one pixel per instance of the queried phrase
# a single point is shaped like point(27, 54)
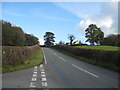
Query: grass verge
point(37, 59)
point(101, 64)
point(101, 47)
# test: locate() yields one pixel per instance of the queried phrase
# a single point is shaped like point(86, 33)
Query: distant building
point(76, 43)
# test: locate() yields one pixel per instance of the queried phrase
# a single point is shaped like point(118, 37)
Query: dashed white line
point(44, 57)
point(43, 79)
point(55, 54)
point(41, 65)
point(34, 75)
point(63, 59)
point(42, 72)
point(35, 67)
point(33, 79)
point(43, 75)
point(32, 85)
point(35, 72)
point(44, 84)
point(85, 71)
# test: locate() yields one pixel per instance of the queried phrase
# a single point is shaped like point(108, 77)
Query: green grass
point(37, 59)
point(101, 64)
point(113, 48)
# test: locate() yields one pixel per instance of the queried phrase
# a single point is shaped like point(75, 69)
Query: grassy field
point(35, 60)
point(114, 48)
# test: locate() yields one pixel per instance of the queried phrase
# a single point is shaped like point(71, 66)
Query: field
point(113, 48)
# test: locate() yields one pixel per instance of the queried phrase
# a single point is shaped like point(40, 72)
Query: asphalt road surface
point(61, 71)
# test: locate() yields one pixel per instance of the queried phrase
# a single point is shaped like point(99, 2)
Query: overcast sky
point(62, 18)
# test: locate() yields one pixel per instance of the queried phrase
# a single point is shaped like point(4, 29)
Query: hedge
point(98, 56)
point(13, 55)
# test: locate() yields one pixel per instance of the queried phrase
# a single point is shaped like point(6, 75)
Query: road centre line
point(85, 71)
point(44, 57)
point(55, 54)
point(62, 59)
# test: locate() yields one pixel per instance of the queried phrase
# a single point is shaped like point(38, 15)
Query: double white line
point(34, 78)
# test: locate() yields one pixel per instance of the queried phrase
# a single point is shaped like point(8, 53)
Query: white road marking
point(55, 54)
point(44, 84)
point(44, 57)
point(35, 67)
point(32, 85)
point(85, 71)
point(34, 75)
point(63, 59)
point(42, 72)
point(33, 79)
point(35, 72)
point(41, 65)
point(51, 51)
point(43, 79)
point(43, 75)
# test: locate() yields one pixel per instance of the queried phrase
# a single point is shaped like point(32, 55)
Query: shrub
point(17, 55)
point(99, 56)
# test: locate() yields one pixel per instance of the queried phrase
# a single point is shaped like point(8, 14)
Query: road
point(61, 71)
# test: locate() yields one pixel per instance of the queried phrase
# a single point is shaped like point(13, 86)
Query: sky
point(61, 18)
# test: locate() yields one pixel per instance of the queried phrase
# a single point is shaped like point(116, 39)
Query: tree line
point(14, 36)
point(94, 35)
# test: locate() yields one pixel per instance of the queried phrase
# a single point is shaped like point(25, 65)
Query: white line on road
point(44, 84)
point(85, 71)
point(42, 72)
point(44, 57)
point(35, 72)
point(63, 59)
point(32, 85)
point(34, 75)
point(55, 54)
point(43, 79)
point(42, 75)
point(33, 79)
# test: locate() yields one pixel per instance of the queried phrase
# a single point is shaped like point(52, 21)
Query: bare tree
point(71, 37)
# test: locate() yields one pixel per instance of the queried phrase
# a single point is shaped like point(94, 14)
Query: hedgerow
point(17, 55)
point(99, 56)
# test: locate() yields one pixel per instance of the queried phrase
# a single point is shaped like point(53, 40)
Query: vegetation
point(71, 38)
point(61, 43)
point(112, 40)
point(35, 60)
point(17, 55)
point(31, 40)
point(104, 65)
point(14, 36)
point(94, 34)
point(114, 48)
point(49, 38)
point(108, 59)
